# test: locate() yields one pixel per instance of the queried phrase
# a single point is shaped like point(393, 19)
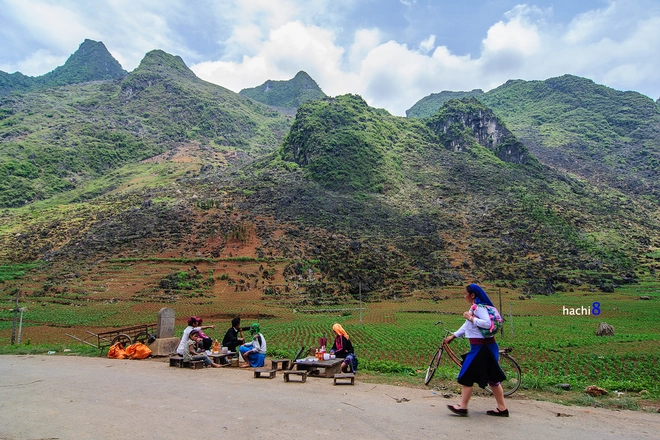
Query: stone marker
point(165, 343)
point(165, 327)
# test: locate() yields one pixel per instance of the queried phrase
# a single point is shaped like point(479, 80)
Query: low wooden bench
point(345, 376)
point(177, 361)
point(218, 358)
point(275, 363)
point(301, 373)
point(269, 374)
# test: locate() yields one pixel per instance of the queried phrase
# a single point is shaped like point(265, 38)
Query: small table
point(330, 367)
point(218, 357)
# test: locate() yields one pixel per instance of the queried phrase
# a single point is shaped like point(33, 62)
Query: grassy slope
point(53, 140)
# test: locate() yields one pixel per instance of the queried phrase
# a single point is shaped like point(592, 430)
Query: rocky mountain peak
point(289, 94)
point(461, 122)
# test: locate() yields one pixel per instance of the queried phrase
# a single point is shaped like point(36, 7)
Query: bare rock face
point(594, 391)
point(604, 329)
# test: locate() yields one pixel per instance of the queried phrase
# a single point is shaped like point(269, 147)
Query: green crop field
point(395, 337)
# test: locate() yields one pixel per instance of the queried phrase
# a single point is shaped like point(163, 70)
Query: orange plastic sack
point(138, 351)
point(117, 351)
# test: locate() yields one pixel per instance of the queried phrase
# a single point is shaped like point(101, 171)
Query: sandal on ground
point(460, 411)
point(498, 413)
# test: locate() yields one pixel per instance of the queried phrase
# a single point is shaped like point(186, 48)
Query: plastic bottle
point(216, 346)
point(316, 354)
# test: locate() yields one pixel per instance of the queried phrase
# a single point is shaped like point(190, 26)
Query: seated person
point(254, 352)
point(190, 352)
point(192, 323)
point(205, 341)
point(231, 339)
point(343, 348)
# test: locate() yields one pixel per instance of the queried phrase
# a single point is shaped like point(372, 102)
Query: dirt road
point(59, 397)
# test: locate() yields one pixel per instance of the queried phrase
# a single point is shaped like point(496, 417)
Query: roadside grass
point(28, 348)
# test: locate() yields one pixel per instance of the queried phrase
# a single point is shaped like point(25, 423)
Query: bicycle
point(508, 364)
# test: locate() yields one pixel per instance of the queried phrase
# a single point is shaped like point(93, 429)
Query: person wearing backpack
point(480, 365)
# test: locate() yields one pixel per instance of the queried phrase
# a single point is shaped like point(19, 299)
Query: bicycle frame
point(509, 364)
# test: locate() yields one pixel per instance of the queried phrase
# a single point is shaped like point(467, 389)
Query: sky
point(391, 52)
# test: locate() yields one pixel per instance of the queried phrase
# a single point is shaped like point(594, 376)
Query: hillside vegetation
point(428, 105)
point(54, 140)
point(606, 136)
point(289, 94)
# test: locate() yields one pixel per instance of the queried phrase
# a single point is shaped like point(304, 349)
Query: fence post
point(511, 318)
point(20, 325)
point(13, 327)
point(360, 287)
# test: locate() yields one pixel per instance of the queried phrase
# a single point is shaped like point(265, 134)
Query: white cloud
point(365, 40)
point(54, 25)
point(258, 40)
point(427, 45)
point(394, 76)
point(517, 34)
point(289, 49)
point(35, 64)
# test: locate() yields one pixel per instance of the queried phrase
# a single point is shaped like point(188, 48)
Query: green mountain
point(434, 202)
point(54, 140)
point(91, 62)
point(161, 164)
point(344, 144)
point(289, 94)
point(430, 104)
point(592, 131)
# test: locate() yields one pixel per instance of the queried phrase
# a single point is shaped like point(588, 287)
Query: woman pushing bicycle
point(481, 363)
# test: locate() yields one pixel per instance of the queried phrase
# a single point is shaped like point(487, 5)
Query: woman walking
point(481, 363)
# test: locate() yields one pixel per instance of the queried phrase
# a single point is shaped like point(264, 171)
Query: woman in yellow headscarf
point(343, 348)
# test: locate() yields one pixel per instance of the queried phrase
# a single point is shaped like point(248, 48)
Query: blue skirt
point(255, 359)
point(481, 365)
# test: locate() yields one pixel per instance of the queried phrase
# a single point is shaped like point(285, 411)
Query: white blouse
point(471, 330)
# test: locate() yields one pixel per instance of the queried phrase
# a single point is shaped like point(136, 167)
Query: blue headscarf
point(481, 297)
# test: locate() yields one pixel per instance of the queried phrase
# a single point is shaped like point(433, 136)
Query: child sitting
point(191, 354)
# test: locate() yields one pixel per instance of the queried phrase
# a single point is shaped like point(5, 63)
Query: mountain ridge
point(90, 62)
point(288, 94)
point(584, 128)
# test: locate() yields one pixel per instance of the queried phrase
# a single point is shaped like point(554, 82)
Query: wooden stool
point(268, 372)
point(275, 363)
point(176, 361)
point(301, 373)
point(195, 365)
point(346, 376)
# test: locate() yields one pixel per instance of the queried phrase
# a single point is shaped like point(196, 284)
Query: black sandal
point(460, 411)
point(498, 413)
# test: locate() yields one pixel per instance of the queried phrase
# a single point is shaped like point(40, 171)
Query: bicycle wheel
point(433, 365)
point(512, 371)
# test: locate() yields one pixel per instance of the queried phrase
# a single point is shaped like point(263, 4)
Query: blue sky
point(392, 52)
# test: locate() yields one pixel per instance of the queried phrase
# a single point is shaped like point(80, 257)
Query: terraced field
point(395, 336)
